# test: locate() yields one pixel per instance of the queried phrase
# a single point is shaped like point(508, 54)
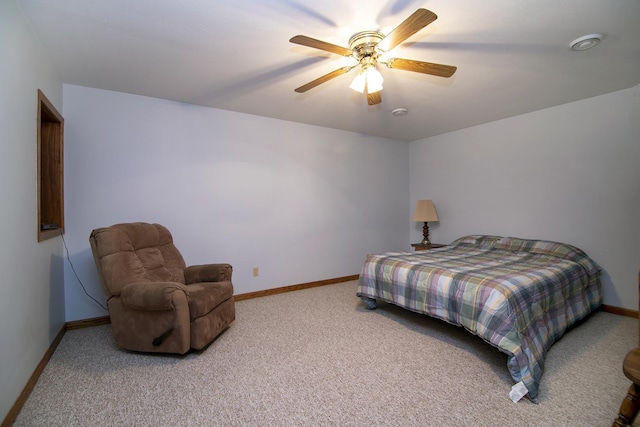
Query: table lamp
point(425, 212)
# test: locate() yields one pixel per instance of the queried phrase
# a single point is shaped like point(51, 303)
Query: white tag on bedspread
point(518, 391)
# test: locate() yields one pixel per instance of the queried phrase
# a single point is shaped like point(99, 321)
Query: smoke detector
point(399, 112)
point(586, 42)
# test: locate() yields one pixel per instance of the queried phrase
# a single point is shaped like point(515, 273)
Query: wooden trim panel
point(301, 286)
point(620, 311)
point(87, 323)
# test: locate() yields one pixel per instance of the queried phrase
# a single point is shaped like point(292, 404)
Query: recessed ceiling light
point(399, 112)
point(586, 42)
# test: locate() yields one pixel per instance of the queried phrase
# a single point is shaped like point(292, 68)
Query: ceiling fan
point(367, 47)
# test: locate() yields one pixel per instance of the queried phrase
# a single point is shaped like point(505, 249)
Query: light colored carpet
point(317, 357)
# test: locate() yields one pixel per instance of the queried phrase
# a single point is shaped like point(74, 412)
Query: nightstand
point(421, 247)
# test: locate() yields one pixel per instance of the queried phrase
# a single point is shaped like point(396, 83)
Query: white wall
point(569, 173)
point(31, 284)
point(302, 203)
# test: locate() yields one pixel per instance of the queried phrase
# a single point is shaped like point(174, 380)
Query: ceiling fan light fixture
point(374, 80)
point(369, 78)
point(370, 48)
point(359, 83)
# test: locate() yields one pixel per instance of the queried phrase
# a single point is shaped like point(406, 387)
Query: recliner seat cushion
point(206, 296)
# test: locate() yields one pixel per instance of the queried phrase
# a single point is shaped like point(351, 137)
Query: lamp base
point(425, 234)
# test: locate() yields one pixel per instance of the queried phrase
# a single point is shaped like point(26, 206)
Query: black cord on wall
point(76, 274)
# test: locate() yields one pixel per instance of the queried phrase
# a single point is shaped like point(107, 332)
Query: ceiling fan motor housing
point(363, 45)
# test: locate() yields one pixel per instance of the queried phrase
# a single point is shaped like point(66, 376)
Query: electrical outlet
point(255, 272)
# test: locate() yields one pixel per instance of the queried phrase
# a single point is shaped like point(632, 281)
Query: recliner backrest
point(135, 252)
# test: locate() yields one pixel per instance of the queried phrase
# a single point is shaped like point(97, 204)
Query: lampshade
point(358, 83)
point(368, 78)
point(425, 211)
point(374, 80)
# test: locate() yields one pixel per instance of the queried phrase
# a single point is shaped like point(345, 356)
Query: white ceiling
point(513, 57)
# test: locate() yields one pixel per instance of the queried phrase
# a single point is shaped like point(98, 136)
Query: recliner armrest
point(208, 273)
point(151, 296)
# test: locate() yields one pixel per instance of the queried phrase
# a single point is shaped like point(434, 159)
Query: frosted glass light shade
point(374, 80)
point(369, 78)
point(358, 84)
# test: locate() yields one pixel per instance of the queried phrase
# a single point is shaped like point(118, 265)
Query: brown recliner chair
point(156, 302)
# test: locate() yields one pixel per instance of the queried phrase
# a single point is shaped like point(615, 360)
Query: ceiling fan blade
point(323, 79)
point(319, 44)
point(440, 70)
point(374, 98)
point(414, 23)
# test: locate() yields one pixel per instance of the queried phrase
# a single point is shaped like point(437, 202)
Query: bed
point(519, 295)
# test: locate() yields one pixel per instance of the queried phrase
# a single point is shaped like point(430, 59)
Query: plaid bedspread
point(518, 296)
